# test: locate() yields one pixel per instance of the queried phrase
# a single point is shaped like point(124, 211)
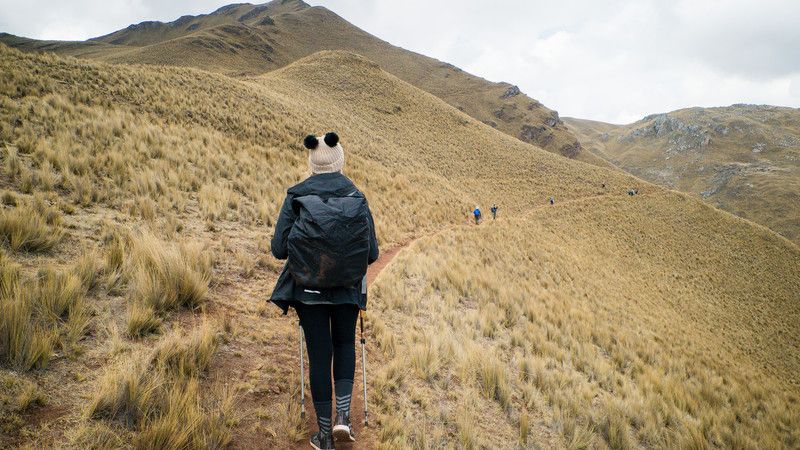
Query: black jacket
point(286, 289)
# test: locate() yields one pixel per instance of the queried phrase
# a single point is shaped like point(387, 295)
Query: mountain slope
point(252, 39)
point(605, 320)
point(744, 159)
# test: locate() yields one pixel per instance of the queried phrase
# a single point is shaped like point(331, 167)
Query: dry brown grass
point(159, 397)
point(39, 313)
point(575, 320)
point(596, 342)
point(226, 44)
point(24, 229)
point(165, 276)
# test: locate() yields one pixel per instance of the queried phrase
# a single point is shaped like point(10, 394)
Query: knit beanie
point(326, 156)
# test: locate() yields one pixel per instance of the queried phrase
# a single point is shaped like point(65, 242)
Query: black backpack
point(329, 241)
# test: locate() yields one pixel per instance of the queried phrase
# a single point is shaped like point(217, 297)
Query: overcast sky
point(614, 60)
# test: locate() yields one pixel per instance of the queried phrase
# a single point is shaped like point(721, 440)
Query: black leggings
point(330, 332)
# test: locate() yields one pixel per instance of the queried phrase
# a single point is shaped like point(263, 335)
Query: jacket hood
point(324, 184)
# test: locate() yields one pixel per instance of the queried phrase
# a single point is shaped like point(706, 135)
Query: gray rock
point(536, 133)
point(571, 150)
point(511, 92)
point(553, 119)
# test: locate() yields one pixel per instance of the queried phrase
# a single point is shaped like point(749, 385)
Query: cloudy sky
point(614, 60)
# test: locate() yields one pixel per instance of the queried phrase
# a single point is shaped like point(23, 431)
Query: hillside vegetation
point(630, 331)
point(245, 39)
point(138, 202)
point(744, 159)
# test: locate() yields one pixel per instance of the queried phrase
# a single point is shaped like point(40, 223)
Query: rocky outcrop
point(511, 92)
point(537, 134)
point(571, 150)
point(681, 136)
point(553, 120)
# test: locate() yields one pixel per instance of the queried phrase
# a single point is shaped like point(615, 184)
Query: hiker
point(477, 214)
point(493, 209)
point(324, 278)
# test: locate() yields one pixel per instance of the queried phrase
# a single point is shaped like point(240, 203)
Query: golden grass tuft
point(167, 276)
point(492, 378)
point(127, 393)
point(23, 344)
point(159, 396)
point(186, 356)
point(24, 229)
point(88, 268)
point(142, 320)
point(59, 295)
point(39, 313)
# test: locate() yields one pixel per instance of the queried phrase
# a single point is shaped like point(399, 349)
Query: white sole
point(341, 433)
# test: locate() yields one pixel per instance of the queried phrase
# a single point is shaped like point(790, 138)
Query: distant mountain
point(744, 159)
point(245, 39)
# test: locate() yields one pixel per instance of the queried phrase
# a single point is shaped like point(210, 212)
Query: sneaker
point(322, 441)
point(342, 430)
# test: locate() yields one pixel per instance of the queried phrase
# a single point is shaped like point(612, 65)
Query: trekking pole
point(302, 377)
point(364, 367)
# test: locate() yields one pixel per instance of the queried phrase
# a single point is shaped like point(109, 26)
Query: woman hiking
point(326, 233)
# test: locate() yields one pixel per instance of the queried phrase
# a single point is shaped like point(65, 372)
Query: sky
point(609, 60)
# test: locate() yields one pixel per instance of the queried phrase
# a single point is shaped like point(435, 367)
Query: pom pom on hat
point(311, 142)
point(331, 139)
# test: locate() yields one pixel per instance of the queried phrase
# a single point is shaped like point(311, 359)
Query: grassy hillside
point(245, 39)
point(137, 206)
point(744, 159)
point(604, 323)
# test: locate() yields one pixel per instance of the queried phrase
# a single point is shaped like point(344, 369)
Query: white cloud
point(615, 60)
point(84, 19)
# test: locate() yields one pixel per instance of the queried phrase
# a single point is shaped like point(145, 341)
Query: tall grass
point(24, 229)
point(563, 292)
point(166, 277)
point(38, 314)
point(159, 277)
point(159, 395)
point(605, 350)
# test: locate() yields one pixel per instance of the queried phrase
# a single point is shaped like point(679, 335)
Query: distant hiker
point(493, 209)
point(477, 214)
point(552, 200)
point(326, 232)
